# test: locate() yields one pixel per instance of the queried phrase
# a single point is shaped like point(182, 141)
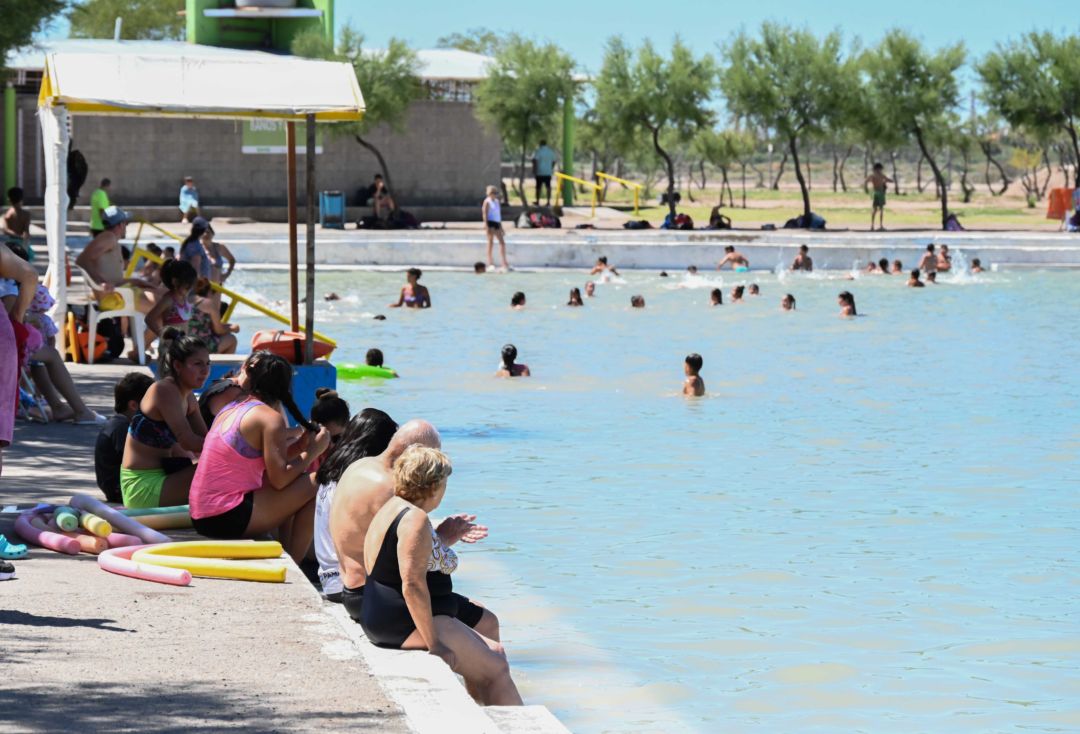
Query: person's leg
point(538, 185)
point(502, 248)
point(272, 507)
point(490, 243)
point(60, 412)
point(547, 185)
point(227, 344)
point(480, 661)
point(174, 491)
point(60, 379)
point(488, 626)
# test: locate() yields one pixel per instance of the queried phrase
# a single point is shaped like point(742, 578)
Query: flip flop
point(7, 571)
point(97, 420)
point(11, 551)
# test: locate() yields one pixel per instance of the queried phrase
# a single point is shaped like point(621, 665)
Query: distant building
point(443, 157)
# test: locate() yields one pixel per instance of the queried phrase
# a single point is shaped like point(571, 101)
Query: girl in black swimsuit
point(409, 601)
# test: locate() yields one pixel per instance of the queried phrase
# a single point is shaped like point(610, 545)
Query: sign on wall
point(262, 137)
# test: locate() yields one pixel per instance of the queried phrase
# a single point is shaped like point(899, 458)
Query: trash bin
point(331, 210)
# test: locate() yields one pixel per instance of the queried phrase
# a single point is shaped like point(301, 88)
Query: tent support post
point(309, 311)
point(10, 145)
point(294, 267)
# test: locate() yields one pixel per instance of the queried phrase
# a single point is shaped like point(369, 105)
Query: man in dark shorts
point(544, 160)
point(879, 183)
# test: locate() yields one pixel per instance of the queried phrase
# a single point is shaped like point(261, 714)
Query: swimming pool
point(867, 524)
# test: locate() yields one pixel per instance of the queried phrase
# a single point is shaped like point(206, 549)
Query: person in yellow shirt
point(99, 202)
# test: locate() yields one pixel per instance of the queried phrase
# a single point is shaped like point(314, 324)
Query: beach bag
point(523, 222)
point(637, 224)
point(550, 221)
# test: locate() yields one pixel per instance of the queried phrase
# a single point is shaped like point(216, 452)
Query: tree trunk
point(779, 172)
point(743, 185)
point(1071, 129)
point(794, 146)
point(725, 185)
point(690, 183)
point(1049, 174)
point(895, 176)
point(809, 168)
point(843, 163)
point(670, 170)
point(918, 176)
point(937, 175)
point(382, 167)
point(835, 170)
point(521, 179)
point(760, 175)
point(990, 159)
point(701, 165)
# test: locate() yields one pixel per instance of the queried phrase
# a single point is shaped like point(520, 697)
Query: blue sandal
point(11, 551)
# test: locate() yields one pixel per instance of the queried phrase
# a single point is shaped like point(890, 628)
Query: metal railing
point(559, 176)
point(234, 297)
point(633, 184)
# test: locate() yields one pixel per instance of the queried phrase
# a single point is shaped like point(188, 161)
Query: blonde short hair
point(492, 190)
point(419, 471)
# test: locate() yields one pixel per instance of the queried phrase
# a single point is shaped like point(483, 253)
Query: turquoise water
point(867, 525)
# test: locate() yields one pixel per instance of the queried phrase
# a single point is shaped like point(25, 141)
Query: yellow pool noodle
point(214, 567)
point(94, 524)
point(218, 549)
point(169, 521)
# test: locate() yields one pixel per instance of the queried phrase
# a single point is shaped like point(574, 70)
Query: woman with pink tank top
point(250, 480)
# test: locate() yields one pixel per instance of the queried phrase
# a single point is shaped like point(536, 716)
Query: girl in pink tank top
point(247, 484)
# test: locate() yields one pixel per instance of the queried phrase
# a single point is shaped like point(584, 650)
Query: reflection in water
point(870, 525)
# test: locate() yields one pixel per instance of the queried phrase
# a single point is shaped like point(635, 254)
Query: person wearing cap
point(103, 260)
point(189, 201)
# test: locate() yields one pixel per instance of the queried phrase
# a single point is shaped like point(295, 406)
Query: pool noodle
point(44, 538)
point(120, 522)
point(171, 521)
point(121, 540)
point(216, 567)
point(141, 511)
point(220, 549)
point(95, 525)
point(67, 518)
point(87, 543)
point(118, 561)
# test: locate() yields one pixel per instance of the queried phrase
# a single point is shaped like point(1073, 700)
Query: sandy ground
point(87, 651)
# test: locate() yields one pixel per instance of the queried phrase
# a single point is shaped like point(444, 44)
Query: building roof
point(437, 64)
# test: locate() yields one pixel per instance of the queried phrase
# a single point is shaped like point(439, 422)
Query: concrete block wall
point(443, 156)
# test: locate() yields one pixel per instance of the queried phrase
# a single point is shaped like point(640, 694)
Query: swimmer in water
point(602, 266)
point(976, 266)
point(913, 281)
point(663, 274)
point(331, 296)
point(716, 297)
point(413, 295)
point(575, 298)
point(872, 268)
point(590, 289)
point(693, 385)
point(737, 294)
point(479, 267)
point(897, 267)
point(787, 303)
point(931, 278)
point(509, 368)
point(737, 260)
point(944, 260)
point(637, 301)
point(517, 301)
point(691, 270)
point(754, 290)
point(846, 302)
point(883, 266)
point(928, 263)
point(803, 261)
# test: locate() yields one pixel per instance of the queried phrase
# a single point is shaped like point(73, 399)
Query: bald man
point(363, 489)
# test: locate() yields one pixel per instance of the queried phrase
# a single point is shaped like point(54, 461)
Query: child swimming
point(693, 385)
point(716, 297)
point(787, 303)
point(509, 368)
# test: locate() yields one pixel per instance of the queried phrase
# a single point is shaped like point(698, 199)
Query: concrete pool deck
point(85, 650)
point(462, 245)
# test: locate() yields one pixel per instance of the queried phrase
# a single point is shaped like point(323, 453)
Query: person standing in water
point(847, 304)
point(736, 259)
point(693, 385)
point(928, 263)
point(944, 260)
point(492, 215)
point(509, 368)
point(803, 261)
point(913, 281)
point(879, 184)
point(413, 295)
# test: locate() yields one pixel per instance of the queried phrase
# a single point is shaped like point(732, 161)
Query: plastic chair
point(93, 315)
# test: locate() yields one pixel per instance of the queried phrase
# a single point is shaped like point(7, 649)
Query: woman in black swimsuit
point(409, 601)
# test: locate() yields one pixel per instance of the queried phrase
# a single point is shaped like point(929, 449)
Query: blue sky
point(581, 26)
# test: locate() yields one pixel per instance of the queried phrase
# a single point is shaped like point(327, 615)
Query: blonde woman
point(409, 600)
point(492, 214)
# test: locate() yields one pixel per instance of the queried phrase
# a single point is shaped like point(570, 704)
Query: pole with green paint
point(9, 137)
point(568, 150)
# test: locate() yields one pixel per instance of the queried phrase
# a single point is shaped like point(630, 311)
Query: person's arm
point(414, 550)
point(216, 325)
point(401, 300)
point(687, 387)
point(225, 253)
point(14, 267)
point(484, 210)
point(425, 299)
point(194, 417)
point(155, 317)
point(279, 470)
point(174, 411)
point(5, 225)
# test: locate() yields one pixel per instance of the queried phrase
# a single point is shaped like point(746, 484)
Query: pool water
point(866, 525)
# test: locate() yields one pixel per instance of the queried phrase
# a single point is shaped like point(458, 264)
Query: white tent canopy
point(172, 79)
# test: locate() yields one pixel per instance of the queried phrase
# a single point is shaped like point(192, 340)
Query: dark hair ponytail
point(270, 378)
point(368, 434)
point(509, 354)
point(176, 346)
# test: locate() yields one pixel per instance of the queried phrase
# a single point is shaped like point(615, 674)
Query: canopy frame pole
point(294, 267)
point(309, 185)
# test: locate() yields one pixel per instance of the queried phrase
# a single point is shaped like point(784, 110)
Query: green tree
point(155, 20)
point(523, 94)
point(790, 82)
point(1034, 83)
point(388, 80)
point(476, 40)
point(651, 95)
point(24, 18)
point(917, 90)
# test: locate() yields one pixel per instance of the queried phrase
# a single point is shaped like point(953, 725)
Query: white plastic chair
point(93, 315)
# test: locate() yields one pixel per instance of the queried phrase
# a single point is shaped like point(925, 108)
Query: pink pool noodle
point(119, 521)
point(45, 538)
point(121, 540)
point(118, 561)
point(87, 543)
